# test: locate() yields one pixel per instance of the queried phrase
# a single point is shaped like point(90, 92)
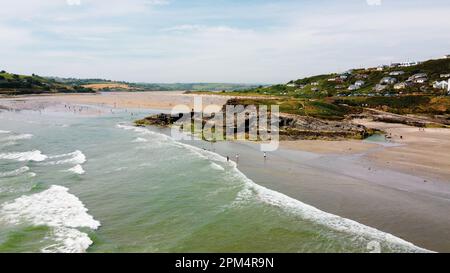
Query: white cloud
point(374, 2)
point(73, 2)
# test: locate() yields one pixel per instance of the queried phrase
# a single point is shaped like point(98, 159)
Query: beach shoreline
point(407, 197)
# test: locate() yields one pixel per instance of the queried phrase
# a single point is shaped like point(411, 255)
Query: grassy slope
point(13, 84)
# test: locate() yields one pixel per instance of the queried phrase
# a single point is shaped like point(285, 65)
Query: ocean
point(72, 181)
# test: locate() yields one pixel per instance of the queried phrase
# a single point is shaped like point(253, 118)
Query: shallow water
point(75, 183)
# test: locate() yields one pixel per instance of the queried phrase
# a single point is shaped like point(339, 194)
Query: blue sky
point(251, 41)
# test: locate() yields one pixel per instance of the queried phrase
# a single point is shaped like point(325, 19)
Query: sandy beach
point(402, 188)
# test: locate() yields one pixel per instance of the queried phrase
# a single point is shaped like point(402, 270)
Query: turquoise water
point(93, 183)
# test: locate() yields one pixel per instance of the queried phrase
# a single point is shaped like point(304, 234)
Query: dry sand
point(329, 147)
point(425, 153)
point(151, 100)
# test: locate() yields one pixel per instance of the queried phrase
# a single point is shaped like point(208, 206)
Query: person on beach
point(265, 156)
point(237, 158)
point(228, 159)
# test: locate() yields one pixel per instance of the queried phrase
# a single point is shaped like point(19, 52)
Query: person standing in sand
point(237, 158)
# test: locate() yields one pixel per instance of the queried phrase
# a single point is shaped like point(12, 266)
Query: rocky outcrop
point(415, 121)
point(291, 127)
point(294, 127)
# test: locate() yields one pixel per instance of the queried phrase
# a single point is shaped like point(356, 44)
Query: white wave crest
point(140, 140)
point(58, 209)
point(76, 157)
point(18, 137)
point(24, 156)
point(15, 172)
point(4, 132)
point(78, 169)
point(216, 166)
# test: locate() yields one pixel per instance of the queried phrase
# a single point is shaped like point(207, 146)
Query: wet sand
point(376, 185)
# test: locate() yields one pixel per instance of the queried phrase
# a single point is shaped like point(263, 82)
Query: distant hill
point(108, 85)
point(14, 84)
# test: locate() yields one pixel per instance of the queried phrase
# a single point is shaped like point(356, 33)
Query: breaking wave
point(76, 157)
point(35, 155)
point(15, 172)
point(78, 169)
point(58, 209)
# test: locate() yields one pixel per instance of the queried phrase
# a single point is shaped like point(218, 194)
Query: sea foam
point(58, 209)
point(78, 169)
point(15, 172)
point(24, 156)
point(76, 157)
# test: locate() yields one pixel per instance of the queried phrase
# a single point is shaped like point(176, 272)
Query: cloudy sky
point(251, 41)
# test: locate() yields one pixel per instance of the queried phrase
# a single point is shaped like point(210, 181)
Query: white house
point(353, 87)
point(421, 80)
point(314, 83)
point(360, 83)
point(388, 80)
point(408, 64)
point(418, 75)
point(291, 85)
point(442, 85)
point(445, 75)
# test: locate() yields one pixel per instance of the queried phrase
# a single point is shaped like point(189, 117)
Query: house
point(388, 80)
point(315, 89)
point(315, 84)
point(353, 87)
point(291, 85)
point(442, 85)
point(445, 75)
point(395, 64)
point(400, 86)
point(396, 73)
point(360, 83)
point(418, 76)
point(421, 80)
point(361, 76)
point(343, 76)
point(379, 87)
point(331, 79)
point(446, 57)
point(381, 68)
point(408, 64)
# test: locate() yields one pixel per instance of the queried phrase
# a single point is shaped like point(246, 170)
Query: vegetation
point(126, 86)
point(14, 84)
point(328, 96)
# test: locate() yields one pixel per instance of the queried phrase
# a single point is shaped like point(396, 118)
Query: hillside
point(398, 88)
point(388, 81)
point(14, 84)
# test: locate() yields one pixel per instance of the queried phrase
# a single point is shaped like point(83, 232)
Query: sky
point(236, 41)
